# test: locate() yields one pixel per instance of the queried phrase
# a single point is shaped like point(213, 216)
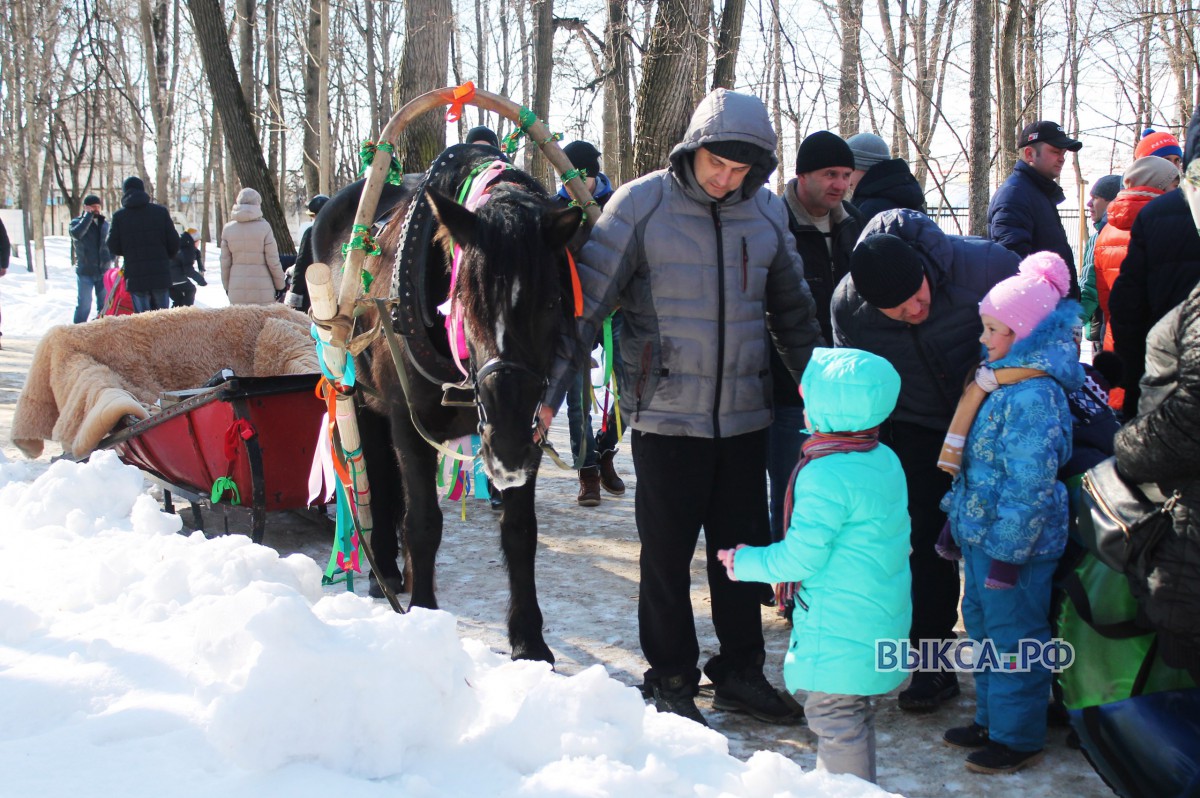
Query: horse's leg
point(518, 539)
point(387, 498)
point(422, 517)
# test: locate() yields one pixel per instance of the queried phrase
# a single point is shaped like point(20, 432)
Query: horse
point(514, 288)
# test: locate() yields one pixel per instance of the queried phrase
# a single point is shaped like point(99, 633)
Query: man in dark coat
point(912, 297)
point(825, 227)
point(89, 234)
point(880, 182)
point(144, 235)
point(1160, 269)
point(1023, 214)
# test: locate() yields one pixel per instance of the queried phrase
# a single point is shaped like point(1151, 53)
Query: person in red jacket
point(1149, 177)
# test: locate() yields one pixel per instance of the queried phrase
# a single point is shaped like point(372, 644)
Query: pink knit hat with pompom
point(1023, 301)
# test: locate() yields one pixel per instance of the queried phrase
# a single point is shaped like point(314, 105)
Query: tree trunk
point(850, 21)
point(244, 148)
point(162, 98)
point(543, 68)
point(423, 67)
point(324, 127)
point(980, 157)
point(729, 40)
point(245, 30)
point(1010, 104)
point(618, 123)
point(664, 98)
point(897, 51)
point(312, 95)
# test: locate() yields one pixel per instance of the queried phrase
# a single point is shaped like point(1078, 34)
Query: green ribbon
point(570, 173)
point(367, 279)
point(366, 156)
point(361, 239)
point(525, 119)
point(223, 484)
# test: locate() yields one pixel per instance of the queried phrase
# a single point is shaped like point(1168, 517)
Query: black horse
point(514, 288)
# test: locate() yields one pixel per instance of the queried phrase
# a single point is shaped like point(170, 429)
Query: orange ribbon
point(576, 288)
point(462, 94)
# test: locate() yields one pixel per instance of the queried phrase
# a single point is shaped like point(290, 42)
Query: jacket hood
point(729, 116)
point(1051, 347)
point(135, 199)
point(1043, 184)
point(248, 207)
point(847, 390)
point(922, 234)
point(1128, 204)
point(893, 180)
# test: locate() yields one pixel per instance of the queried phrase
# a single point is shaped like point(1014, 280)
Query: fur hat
point(868, 150)
point(1106, 188)
point(1152, 171)
point(886, 271)
point(1022, 301)
point(822, 150)
point(1159, 144)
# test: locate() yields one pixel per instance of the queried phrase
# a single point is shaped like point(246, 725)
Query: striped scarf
point(819, 444)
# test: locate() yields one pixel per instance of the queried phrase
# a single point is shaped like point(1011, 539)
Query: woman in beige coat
point(250, 269)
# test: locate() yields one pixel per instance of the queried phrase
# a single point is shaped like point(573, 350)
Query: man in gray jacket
point(699, 258)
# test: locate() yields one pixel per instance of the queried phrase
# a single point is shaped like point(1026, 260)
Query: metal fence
point(955, 220)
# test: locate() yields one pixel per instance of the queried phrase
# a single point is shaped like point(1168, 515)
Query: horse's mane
point(510, 250)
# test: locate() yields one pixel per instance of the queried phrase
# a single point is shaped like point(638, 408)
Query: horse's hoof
point(534, 651)
point(396, 583)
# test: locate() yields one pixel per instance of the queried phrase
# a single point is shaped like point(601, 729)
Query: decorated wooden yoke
point(335, 310)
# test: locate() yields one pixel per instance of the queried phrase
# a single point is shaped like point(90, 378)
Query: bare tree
point(980, 159)
point(162, 75)
point(543, 69)
point(244, 148)
point(850, 22)
point(729, 39)
point(618, 117)
point(424, 67)
point(664, 98)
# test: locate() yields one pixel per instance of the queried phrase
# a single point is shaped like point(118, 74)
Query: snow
point(136, 660)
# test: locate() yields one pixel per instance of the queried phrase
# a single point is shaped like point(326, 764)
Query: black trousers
point(685, 484)
point(935, 583)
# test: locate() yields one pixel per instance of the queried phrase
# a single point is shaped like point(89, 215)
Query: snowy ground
point(138, 661)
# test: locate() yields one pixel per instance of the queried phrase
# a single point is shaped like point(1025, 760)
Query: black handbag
point(1118, 524)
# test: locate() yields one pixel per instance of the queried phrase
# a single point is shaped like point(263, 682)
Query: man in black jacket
point(1023, 214)
point(880, 182)
point(5, 250)
point(143, 233)
point(825, 227)
point(89, 232)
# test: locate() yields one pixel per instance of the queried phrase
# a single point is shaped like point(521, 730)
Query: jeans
point(86, 285)
point(1011, 705)
point(579, 418)
point(154, 299)
point(783, 451)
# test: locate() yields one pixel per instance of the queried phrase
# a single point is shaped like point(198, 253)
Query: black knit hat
point(736, 151)
point(583, 155)
point(886, 271)
point(91, 199)
point(131, 184)
point(317, 203)
point(822, 150)
point(482, 134)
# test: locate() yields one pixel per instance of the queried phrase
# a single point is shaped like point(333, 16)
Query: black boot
point(928, 690)
point(677, 696)
point(589, 486)
point(999, 758)
point(973, 736)
point(608, 475)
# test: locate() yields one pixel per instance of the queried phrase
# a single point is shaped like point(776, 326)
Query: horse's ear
point(454, 217)
point(560, 225)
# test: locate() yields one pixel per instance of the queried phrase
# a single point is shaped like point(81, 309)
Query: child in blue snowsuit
point(847, 544)
point(1007, 510)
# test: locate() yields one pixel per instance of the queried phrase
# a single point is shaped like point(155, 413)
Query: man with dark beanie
point(912, 297)
point(825, 227)
point(89, 232)
point(1103, 192)
point(142, 232)
point(699, 258)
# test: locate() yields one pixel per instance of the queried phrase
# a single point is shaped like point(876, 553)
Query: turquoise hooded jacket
point(848, 537)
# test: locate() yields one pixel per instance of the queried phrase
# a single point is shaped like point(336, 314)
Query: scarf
point(950, 459)
point(819, 444)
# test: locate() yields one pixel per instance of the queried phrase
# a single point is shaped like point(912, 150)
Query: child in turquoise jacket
point(847, 544)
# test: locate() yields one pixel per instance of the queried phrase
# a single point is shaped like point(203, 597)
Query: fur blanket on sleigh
point(86, 377)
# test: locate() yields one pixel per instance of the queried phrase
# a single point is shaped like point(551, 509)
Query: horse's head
point(514, 289)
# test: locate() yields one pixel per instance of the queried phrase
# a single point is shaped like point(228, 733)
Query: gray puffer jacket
point(700, 281)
